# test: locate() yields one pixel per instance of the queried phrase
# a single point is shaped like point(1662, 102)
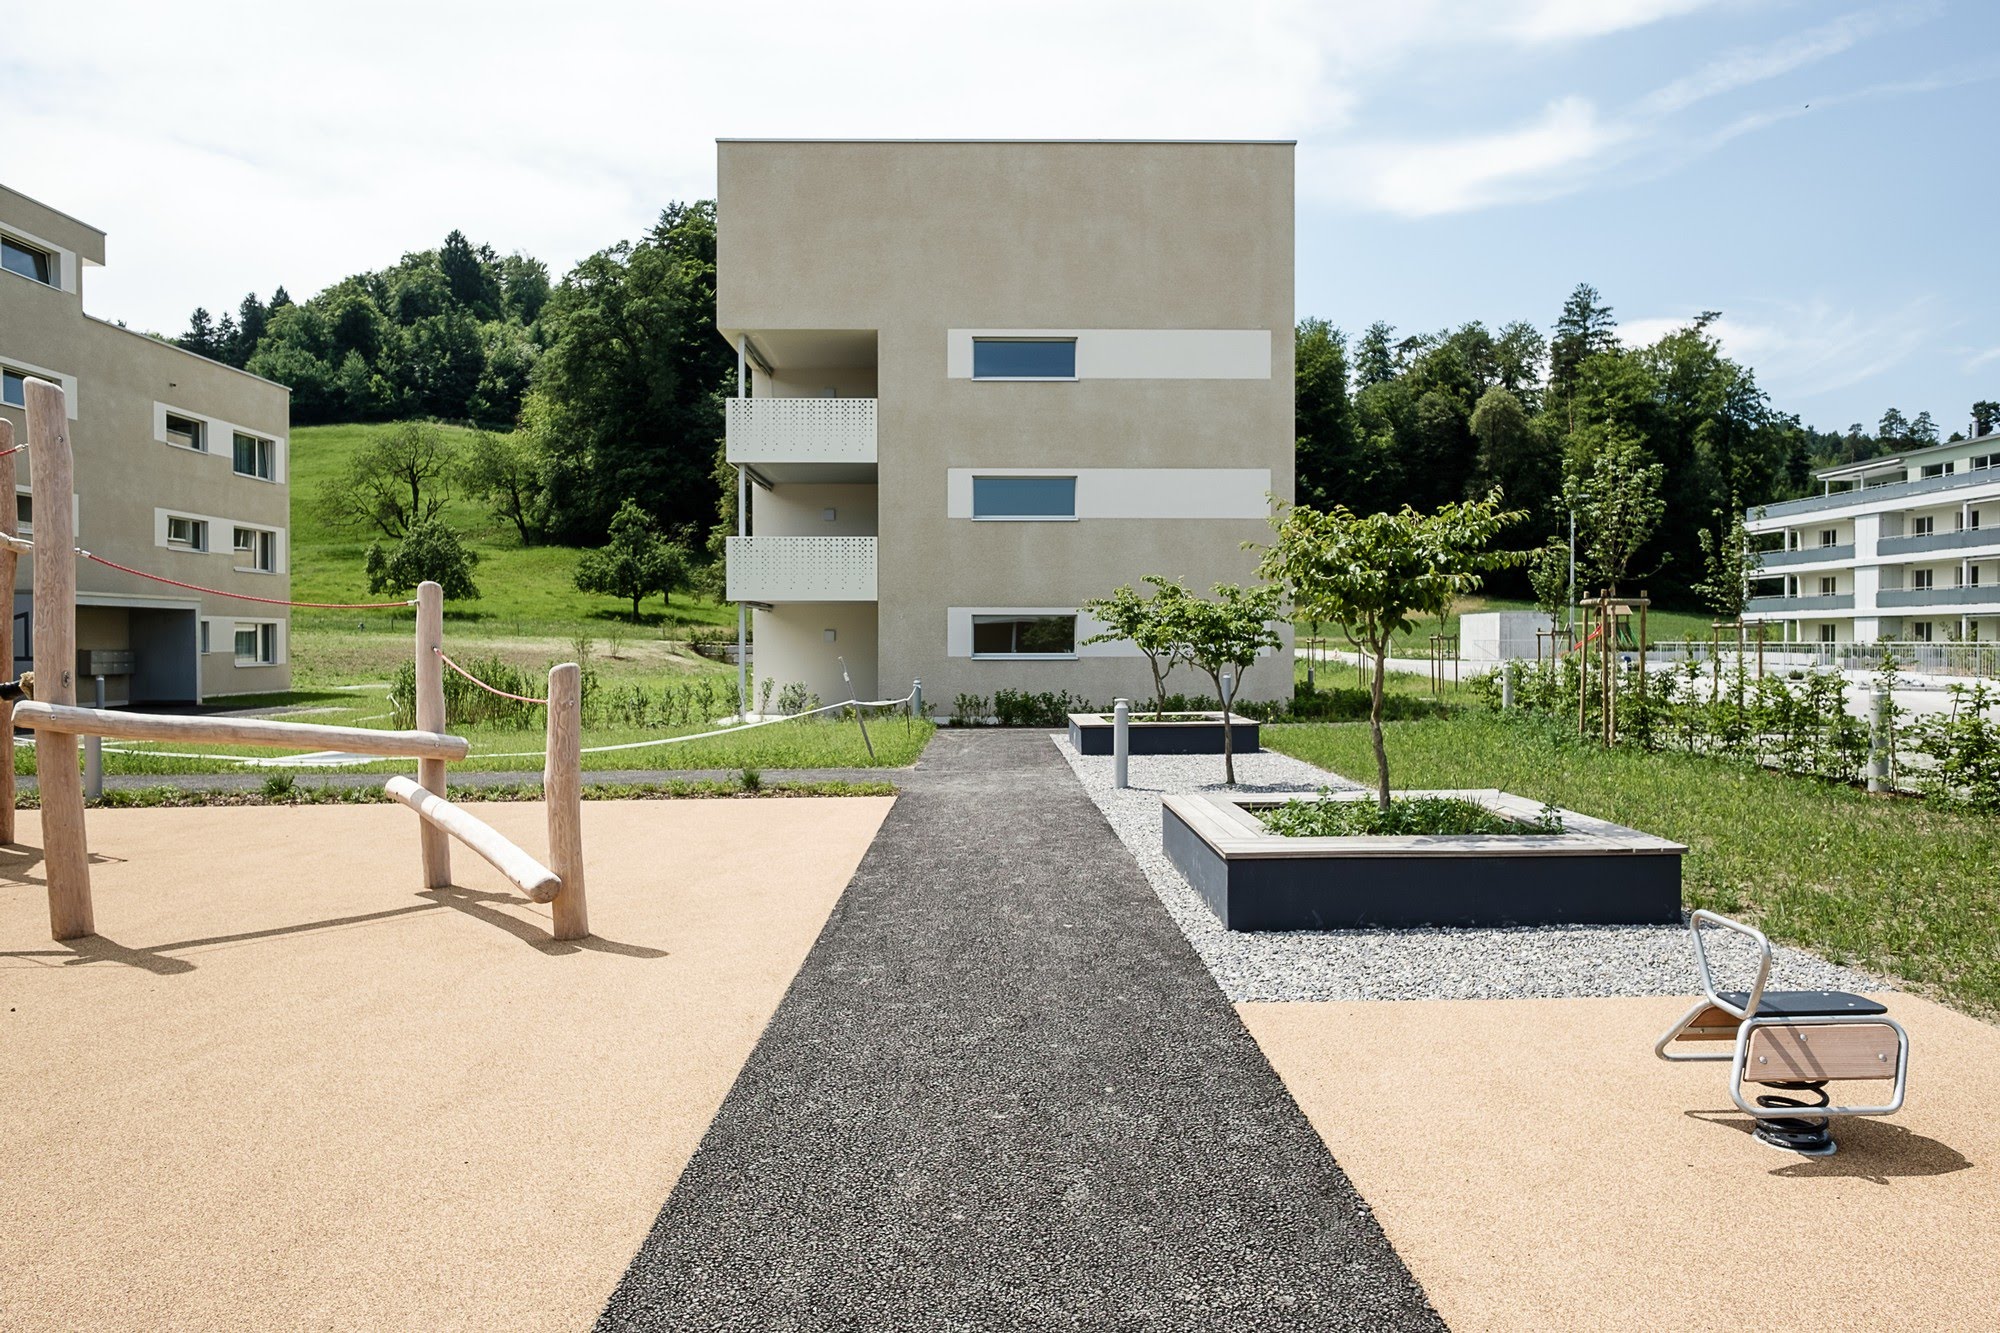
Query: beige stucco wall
point(916, 239)
point(791, 646)
point(124, 473)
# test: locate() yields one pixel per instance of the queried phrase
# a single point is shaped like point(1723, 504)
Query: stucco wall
point(915, 240)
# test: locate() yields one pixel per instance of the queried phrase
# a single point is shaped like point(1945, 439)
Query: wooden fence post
point(9, 567)
point(65, 853)
point(436, 843)
point(562, 792)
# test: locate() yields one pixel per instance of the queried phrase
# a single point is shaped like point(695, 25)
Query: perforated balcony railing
point(804, 439)
point(801, 569)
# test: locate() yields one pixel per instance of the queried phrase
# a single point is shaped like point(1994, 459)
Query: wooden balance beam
point(69, 720)
point(528, 875)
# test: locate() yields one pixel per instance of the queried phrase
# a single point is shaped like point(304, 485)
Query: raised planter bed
point(1177, 733)
point(1592, 873)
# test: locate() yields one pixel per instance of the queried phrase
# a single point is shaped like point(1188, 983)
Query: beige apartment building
point(983, 382)
point(180, 472)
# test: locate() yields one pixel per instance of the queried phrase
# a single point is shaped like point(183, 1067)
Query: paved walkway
point(1002, 1093)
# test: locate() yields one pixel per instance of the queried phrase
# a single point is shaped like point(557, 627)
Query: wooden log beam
point(435, 846)
point(65, 852)
point(562, 792)
point(68, 720)
point(528, 875)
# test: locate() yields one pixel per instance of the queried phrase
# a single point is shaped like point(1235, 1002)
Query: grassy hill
point(528, 611)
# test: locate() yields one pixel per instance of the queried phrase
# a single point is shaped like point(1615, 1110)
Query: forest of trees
point(1574, 419)
point(613, 380)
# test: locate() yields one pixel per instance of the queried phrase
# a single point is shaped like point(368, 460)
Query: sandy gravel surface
point(1538, 1168)
point(288, 1088)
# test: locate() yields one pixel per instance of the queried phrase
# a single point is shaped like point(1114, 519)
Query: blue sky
point(1821, 173)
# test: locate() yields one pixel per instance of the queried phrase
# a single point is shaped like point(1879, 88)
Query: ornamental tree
point(636, 561)
point(1373, 576)
point(1229, 632)
point(429, 552)
point(1148, 623)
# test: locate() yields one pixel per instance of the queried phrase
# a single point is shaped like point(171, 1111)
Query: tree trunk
point(1228, 735)
point(1375, 732)
point(635, 610)
point(1159, 689)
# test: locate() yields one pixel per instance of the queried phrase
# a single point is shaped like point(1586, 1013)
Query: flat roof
point(1274, 143)
point(69, 217)
point(1876, 464)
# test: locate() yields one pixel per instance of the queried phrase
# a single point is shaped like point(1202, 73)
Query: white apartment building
point(984, 382)
point(180, 472)
point(1904, 548)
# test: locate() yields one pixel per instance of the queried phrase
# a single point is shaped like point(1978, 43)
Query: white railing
point(801, 569)
point(801, 430)
point(1924, 659)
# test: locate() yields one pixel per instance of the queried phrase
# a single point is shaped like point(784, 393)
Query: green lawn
point(528, 610)
point(1887, 883)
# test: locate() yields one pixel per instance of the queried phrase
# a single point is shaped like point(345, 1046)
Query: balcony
point(1805, 555)
point(1895, 490)
point(1965, 540)
point(803, 440)
point(1811, 606)
point(801, 569)
point(1976, 595)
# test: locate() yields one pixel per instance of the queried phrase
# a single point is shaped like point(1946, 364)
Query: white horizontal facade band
point(219, 440)
point(1137, 492)
point(958, 631)
point(20, 367)
point(1138, 354)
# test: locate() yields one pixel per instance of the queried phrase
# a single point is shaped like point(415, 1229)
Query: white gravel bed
point(1426, 964)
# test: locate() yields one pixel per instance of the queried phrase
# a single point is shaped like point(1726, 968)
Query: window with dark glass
point(13, 388)
point(1024, 358)
point(185, 432)
point(253, 456)
point(1023, 636)
point(1024, 497)
point(27, 261)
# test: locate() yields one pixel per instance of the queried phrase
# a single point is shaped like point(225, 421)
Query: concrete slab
point(1538, 1168)
point(288, 1088)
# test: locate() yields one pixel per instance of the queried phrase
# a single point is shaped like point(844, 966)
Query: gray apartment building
point(985, 381)
point(180, 472)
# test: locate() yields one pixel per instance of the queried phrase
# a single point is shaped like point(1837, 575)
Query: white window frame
point(197, 538)
point(1923, 580)
point(53, 257)
point(262, 549)
point(1923, 525)
point(267, 640)
point(267, 449)
point(200, 446)
point(978, 338)
point(977, 517)
point(1015, 617)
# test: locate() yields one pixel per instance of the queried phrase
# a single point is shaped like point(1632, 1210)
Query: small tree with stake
point(1218, 635)
point(1372, 576)
point(1148, 623)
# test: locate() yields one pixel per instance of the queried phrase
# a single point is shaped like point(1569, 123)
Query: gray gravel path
point(1403, 964)
point(1002, 1093)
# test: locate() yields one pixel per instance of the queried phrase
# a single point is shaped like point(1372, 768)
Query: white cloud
point(1422, 179)
point(1568, 20)
point(1802, 351)
point(1749, 65)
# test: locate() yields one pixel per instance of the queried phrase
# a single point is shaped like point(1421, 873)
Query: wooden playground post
point(436, 843)
point(65, 853)
point(9, 561)
point(562, 793)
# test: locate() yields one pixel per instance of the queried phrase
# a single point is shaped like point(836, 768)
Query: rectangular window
point(204, 635)
point(1923, 527)
point(256, 644)
point(253, 456)
point(1972, 519)
point(24, 513)
point(1923, 578)
point(1826, 586)
point(1024, 497)
point(257, 548)
point(1829, 537)
point(186, 432)
point(1982, 462)
point(190, 533)
point(1921, 631)
point(1826, 634)
point(1024, 636)
point(1024, 358)
point(26, 260)
point(13, 388)
point(1936, 470)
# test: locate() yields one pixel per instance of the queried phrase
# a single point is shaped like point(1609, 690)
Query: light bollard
point(1121, 742)
point(1507, 684)
point(1878, 741)
point(917, 698)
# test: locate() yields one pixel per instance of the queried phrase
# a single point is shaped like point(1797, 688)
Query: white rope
point(738, 729)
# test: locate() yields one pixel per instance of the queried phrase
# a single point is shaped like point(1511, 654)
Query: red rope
point(15, 450)
point(244, 596)
point(490, 689)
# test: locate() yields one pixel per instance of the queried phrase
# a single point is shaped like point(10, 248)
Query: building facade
point(1904, 548)
point(180, 472)
point(984, 382)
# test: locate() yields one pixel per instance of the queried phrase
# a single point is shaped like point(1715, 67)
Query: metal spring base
point(1809, 1136)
